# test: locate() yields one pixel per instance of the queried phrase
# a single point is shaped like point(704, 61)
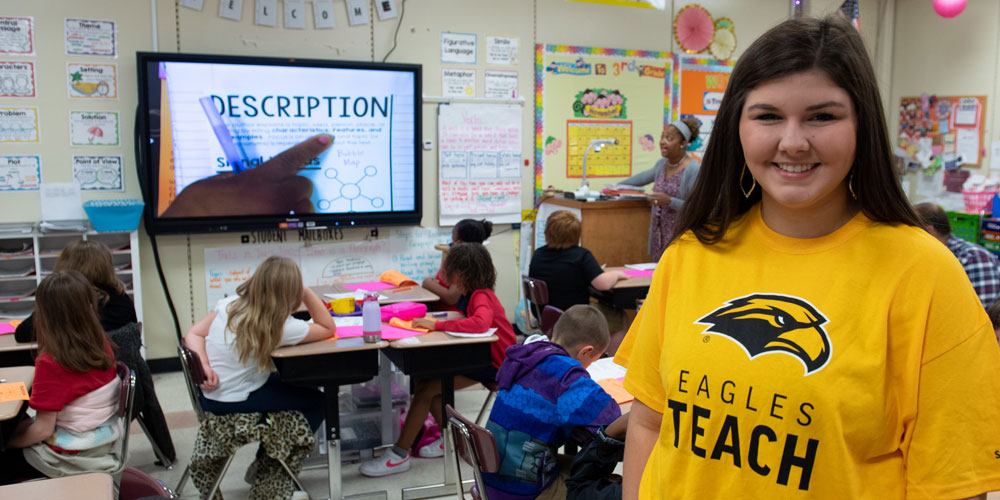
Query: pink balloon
point(949, 8)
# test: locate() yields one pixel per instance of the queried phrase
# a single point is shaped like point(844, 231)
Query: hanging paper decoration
point(724, 22)
point(949, 8)
point(693, 29)
point(723, 44)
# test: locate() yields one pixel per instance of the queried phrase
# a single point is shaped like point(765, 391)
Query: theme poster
point(587, 93)
point(700, 83)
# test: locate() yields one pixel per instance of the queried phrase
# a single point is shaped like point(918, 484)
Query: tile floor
point(183, 426)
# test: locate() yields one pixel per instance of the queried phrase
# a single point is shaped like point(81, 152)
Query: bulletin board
point(945, 124)
point(584, 93)
point(699, 84)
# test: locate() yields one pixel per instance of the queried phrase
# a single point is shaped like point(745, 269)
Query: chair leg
point(486, 404)
point(156, 448)
point(298, 484)
point(184, 478)
point(218, 480)
point(450, 437)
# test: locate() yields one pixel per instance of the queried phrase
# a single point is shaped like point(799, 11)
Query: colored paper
point(396, 278)
point(614, 388)
point(637, 272)
point(407, 324)
point(6, 328)
point(346, 332)
point(370, 286)
point(13, 391)
point(388, 332)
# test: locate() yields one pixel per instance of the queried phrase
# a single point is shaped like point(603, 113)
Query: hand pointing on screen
point(272, 188)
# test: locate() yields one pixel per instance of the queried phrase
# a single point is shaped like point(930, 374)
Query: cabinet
point(28, 257)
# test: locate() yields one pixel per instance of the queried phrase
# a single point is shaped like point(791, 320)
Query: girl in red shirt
point(469, 269)
point(75, 389)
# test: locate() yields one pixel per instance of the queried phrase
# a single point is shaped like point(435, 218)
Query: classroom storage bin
point(114, 215)
point(964, 226)
point(990, 234)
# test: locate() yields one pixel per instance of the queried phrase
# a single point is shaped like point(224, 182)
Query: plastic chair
point(536, 293)
point(136, 484)
point(475, 446)
point(194, 376)
point(125, 394)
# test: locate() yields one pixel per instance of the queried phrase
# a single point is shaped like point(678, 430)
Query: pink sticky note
point(637, 272)
point(6, 328)
point(370, 286)
point(393, 333)
point(345, 332)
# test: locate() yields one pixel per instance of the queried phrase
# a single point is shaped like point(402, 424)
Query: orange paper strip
point(13, 391)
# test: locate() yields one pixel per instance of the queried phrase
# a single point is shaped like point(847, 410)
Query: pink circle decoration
point(949, 8)
point(693, 28)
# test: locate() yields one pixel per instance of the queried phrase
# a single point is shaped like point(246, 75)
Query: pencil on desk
point(403, 289)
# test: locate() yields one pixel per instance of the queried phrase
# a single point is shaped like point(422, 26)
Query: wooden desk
point(96, 486)
point(8, 344)
point(413, 294)
point(330, 364)
point(616, 232)
point(439, 355)
point(10, 409)
point(625, 293)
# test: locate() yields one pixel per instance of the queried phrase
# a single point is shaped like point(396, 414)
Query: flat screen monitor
point(209, 127)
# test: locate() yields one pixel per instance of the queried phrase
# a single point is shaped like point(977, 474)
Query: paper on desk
point(371, 286)
point(605, 368)
point(487, 333)
point(614, 388)
point(388, 332)
point(344, 321)
point(6, 328)
point(636, 272)
point(646, 266)
point(13, 391)
point(347, 332)
point(358, 295)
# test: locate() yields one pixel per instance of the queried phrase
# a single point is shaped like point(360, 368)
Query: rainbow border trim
point(670, 89)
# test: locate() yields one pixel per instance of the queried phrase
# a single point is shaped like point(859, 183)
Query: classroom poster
point(588, 93)
point(93, 128)
point(91, 81)
point(501, 50)
point(20, 173)
point(19, 124)
point(98, 173)
point(323, 14)
point(499, 84)
point(458, 48)
point(17, 79)
point(192, 4)
point(479, 162)
point(457, 82)
point(17, 36)
point(91, 37)
point(701, 83)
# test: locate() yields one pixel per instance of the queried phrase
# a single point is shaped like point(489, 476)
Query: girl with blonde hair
point(235, 340)
point(93, 260)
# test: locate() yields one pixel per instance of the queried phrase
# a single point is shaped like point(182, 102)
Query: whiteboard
point(479, 162)
point(407, 250)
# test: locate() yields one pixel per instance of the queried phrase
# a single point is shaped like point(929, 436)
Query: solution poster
point(94, 128)
point(587, 93)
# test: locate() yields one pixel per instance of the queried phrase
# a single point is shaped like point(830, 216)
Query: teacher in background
point(672, 177)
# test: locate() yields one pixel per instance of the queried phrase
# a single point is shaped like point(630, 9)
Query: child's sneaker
point(432, 450)
point(390, 463)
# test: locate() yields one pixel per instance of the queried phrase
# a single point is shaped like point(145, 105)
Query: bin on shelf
point(114, 215)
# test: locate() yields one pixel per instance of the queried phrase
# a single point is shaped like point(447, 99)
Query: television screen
point(239, 143)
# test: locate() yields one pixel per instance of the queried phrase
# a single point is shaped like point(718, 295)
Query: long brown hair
point(834, 47)
point(258, 316)
point(93, 260)
point(66, 323)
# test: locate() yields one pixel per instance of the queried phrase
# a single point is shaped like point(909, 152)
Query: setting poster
point(588, 93)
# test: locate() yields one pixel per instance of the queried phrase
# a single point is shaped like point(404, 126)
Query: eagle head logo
point(763, 323)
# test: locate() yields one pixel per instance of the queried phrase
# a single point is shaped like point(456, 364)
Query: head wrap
point(683, 129)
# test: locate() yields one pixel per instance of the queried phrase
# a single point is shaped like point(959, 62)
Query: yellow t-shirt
point(855, 365)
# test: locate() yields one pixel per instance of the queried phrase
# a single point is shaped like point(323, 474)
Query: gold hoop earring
point(850, 185)
point(747, 192)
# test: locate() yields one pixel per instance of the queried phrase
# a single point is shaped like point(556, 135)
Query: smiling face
point(799, 135)
point(671, 142)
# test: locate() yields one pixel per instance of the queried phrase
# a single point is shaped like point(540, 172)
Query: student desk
point(439, 355)
point(625, 292)
point(330, 364)
point(14, 353)
point(96, 486)
point(401, 294)
point(10, 409)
